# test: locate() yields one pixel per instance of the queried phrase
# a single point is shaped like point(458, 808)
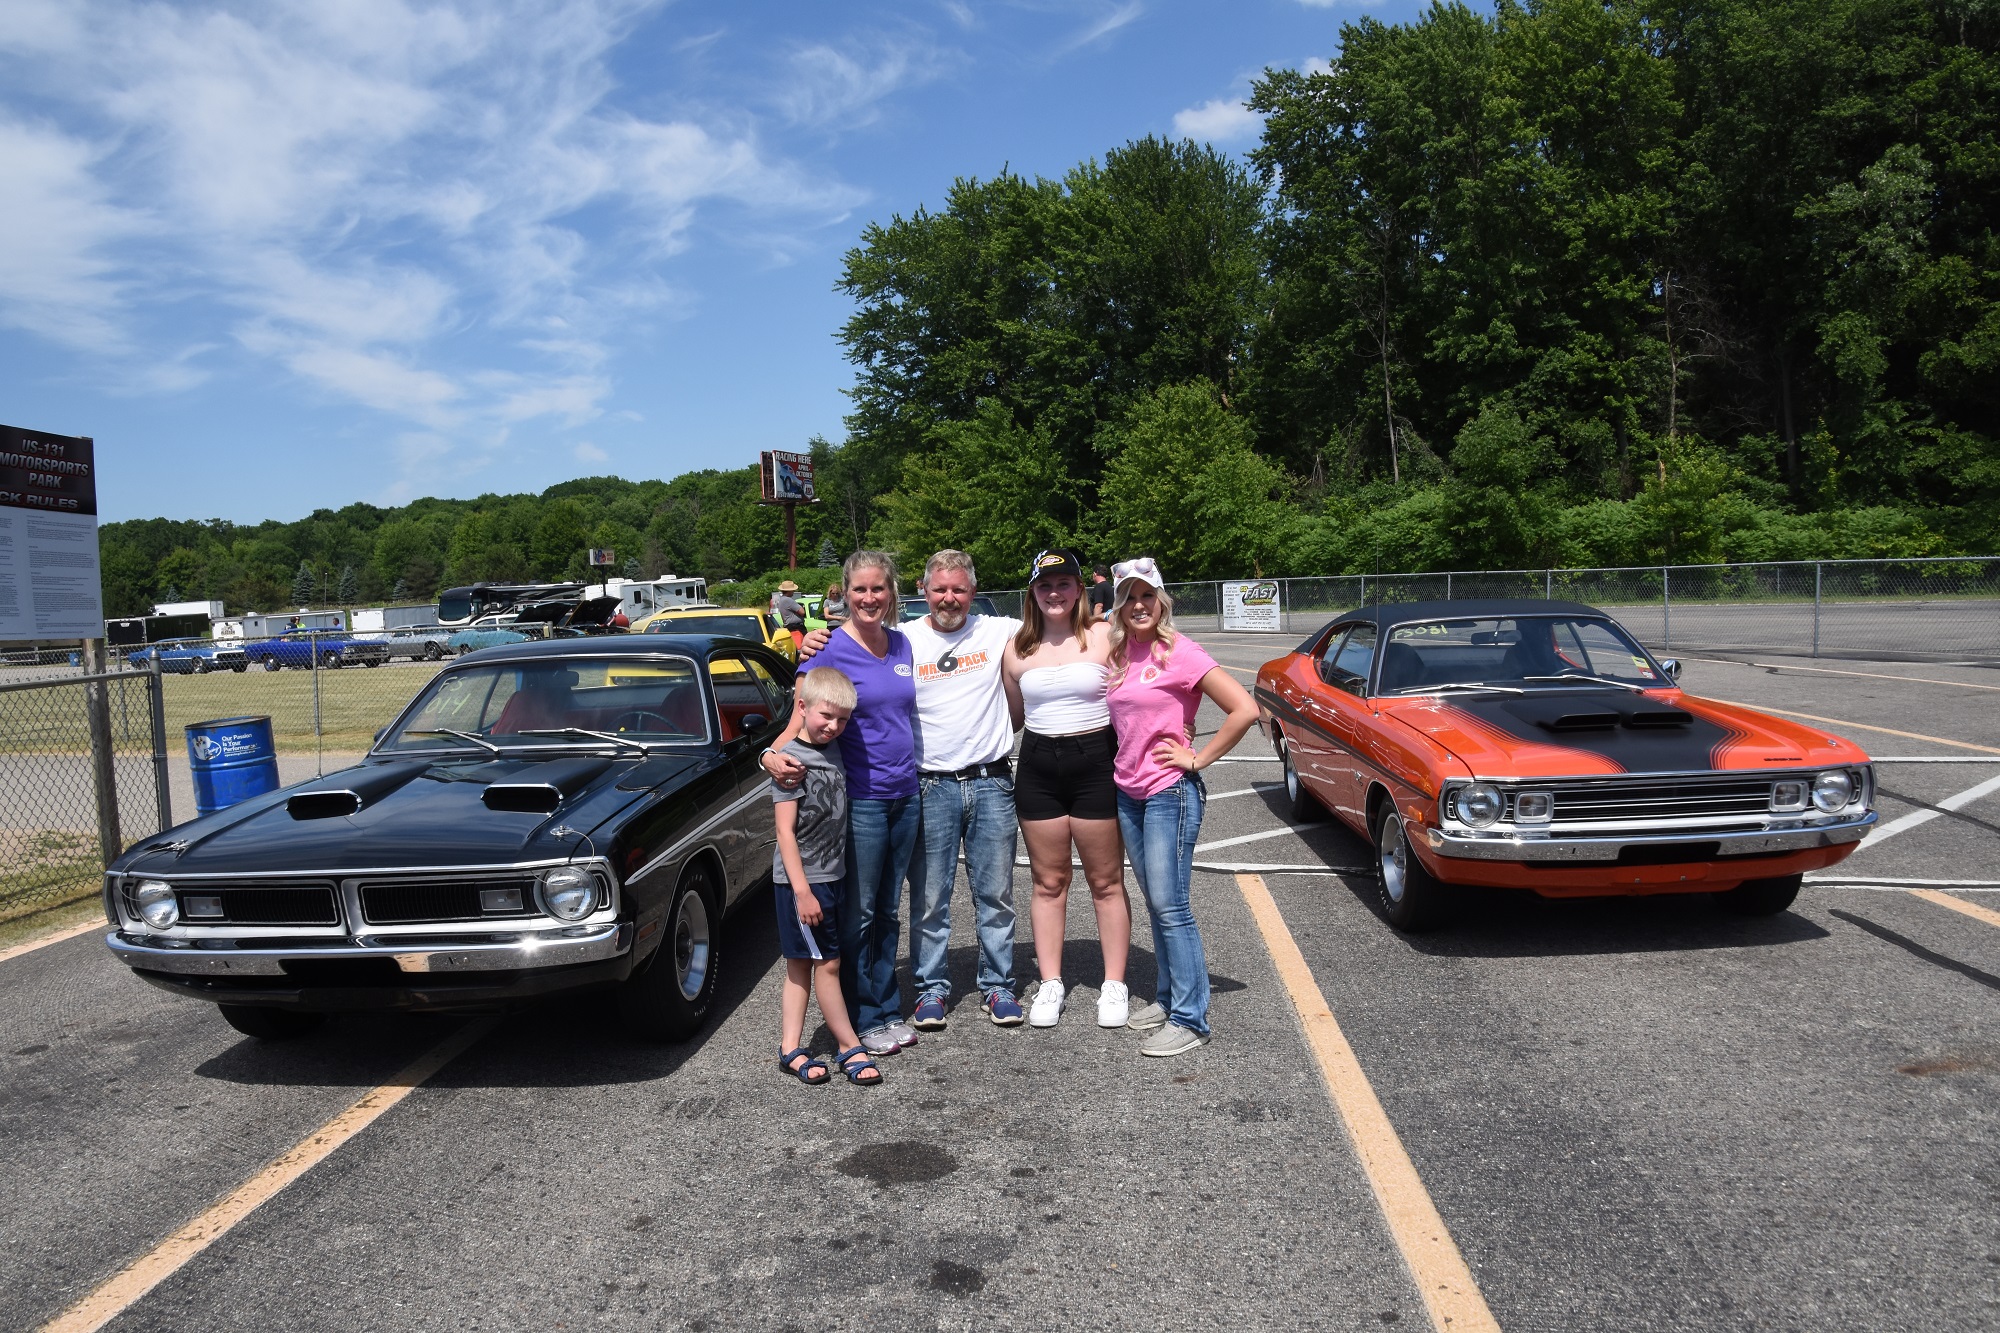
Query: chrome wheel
point(1393, 855)
point(691, 945)
point(1291, 773)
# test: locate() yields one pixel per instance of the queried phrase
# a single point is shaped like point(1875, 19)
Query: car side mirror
point(754, 722)
point(379, 734)
point(1672, 666)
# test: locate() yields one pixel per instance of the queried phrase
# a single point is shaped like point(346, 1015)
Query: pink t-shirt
point(1156, 701)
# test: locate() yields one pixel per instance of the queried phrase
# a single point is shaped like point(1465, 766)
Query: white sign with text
point(1252, 606)
point(49, 580)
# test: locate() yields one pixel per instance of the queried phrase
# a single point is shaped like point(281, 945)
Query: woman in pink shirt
point(1158, 678)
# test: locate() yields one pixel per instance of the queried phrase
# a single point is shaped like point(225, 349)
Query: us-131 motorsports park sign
point(49, 585)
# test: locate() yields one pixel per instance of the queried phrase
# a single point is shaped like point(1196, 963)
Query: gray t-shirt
point(822, 826)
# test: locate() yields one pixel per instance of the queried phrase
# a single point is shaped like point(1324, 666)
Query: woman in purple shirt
point(879, 752)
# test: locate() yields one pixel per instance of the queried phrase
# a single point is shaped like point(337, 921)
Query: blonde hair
point(1164, 637)
point(1032, 624)
point(860, 560)
point(829, 686)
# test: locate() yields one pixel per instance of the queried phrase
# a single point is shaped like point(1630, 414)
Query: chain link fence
point(81, 768)
point(1939, 610)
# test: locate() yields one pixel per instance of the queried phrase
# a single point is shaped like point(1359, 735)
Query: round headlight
point(1833, 789)
point(568, 893)
point(157, 905)
point(1480, 804)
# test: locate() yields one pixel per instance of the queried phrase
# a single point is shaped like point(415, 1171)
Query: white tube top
point(1065, 700)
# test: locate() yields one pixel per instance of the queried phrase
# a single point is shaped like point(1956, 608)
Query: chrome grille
point(399, 902)
point(258, 904)
point(1639, 801)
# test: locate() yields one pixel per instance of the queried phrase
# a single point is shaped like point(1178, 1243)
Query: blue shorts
point(798, 940)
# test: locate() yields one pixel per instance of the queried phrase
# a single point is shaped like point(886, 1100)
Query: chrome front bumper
point(510, 952)
point(1541, 848)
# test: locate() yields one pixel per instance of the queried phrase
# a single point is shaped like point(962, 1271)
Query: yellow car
point(738, 622)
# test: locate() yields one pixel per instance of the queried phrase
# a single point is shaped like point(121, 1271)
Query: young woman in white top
point(1055, 671)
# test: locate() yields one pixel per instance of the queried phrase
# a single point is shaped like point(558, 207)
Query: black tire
point(240, 667)
point(1761, 897)
point(330, 661)
point(1410, 896)
point(464, 648)
point(1300, 805)
point(268, 1024)
point(270, 664)
point(372, 662)
point(433, 652)
point(670, 996)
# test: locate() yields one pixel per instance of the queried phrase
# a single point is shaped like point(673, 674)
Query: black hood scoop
point(539, 789)
point(356, 790)
point(1567, 714)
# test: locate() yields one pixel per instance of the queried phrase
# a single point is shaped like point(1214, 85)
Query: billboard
point(49, 584)
point(786, 476)
point(1251, 606)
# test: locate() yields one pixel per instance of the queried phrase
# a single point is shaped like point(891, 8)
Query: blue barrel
point(233, 759)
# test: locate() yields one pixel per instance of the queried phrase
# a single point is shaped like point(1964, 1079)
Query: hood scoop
point(1591, 721)
point(361, 789)
point(1604, 712)
point(539, 789)
point(1645, 719)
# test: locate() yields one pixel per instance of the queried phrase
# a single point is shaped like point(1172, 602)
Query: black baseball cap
point(1055, 560)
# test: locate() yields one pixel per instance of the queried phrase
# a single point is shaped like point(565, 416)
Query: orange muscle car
point(1536, 745)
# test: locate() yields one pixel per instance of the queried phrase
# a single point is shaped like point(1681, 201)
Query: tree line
point(1574, 282)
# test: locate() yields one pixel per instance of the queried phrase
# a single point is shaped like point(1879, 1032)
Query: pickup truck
point(300, 648)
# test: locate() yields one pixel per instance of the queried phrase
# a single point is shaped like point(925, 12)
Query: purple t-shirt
point(879, 747)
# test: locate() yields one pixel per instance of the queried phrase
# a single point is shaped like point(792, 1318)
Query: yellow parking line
point(1446, 1284)
point(1973, 910)
point(1861, 726)
point(96, 922)
point(112, 1299)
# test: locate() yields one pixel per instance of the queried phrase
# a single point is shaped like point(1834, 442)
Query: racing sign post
point(787, 479)
point(1252, 605)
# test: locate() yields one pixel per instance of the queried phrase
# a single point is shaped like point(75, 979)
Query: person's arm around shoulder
point(1010, 681)
point(786, 770)
point(815, 643)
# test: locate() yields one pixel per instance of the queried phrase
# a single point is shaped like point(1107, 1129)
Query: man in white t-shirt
point(965, 745)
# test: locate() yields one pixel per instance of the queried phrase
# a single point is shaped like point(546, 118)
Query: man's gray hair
point(950, 559)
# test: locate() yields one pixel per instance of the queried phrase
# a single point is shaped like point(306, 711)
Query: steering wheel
point(641, 715)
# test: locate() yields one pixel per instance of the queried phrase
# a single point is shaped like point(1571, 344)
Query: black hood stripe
point(1700, 744)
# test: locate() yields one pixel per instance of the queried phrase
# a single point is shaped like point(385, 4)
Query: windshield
point(736, 627)
point(455, 606)
point(650, 700)
point(1523, 652)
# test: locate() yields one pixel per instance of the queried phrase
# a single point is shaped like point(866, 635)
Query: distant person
point(1055, 671)
point(808, 871)
point(1159, 677)
point(1100, 592)
point(786, 607)
point(833, 610)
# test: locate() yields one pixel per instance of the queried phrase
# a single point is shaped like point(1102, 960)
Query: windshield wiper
point(1594, 680)
point(462, 735)
point(1460, 685)
point(615, 739)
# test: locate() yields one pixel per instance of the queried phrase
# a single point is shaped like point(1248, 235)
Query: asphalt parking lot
point(1628, 1114)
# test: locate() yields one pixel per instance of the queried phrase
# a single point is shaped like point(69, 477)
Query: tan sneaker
point(1171, 1040)
point(1149, 1019)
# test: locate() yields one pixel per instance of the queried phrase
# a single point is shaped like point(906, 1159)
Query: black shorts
point(1067, 775)
point(798, 940)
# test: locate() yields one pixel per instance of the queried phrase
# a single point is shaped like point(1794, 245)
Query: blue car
point(195, 657)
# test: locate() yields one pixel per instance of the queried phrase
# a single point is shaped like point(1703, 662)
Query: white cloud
point(1221, 121)
point(367, 192)
point(830, 88)
point(1109, 23)
point(586, 452)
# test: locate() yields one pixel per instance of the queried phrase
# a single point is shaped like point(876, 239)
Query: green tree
point(305, 584)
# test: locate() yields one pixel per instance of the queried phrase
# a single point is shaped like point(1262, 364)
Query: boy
point(806, 872)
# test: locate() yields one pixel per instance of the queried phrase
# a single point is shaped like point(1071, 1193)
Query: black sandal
point(854, 1068)
point(803, 1073)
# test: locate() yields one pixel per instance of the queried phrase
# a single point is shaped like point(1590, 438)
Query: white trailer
point(381, 619)
point(276, 623)
point(642, 597)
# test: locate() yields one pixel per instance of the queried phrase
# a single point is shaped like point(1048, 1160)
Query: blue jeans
point(1160, 834)
point(880, 837)
point(979, 812)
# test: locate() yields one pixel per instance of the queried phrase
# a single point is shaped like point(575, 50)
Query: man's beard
point(947, 620)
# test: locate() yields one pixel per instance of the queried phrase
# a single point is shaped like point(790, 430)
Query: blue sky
point(281, 255)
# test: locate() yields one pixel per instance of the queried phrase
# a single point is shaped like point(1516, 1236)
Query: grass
point(47, 870)
point(355, 702)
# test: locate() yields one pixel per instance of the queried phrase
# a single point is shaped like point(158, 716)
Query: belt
point(999, 768)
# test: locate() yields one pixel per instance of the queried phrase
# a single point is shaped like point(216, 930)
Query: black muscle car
point(543, 816)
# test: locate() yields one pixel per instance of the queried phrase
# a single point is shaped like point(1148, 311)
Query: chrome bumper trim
point(483, 953)
point(1755, 842)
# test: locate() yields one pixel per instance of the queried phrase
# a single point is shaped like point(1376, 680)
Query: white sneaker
point(1114, 1005)
point(1048, 1005)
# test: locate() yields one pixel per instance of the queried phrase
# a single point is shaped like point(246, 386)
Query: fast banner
point(786, 476)
point(1251, 606)
point(49, 583)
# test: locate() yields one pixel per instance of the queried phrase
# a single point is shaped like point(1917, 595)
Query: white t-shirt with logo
point(962, 716)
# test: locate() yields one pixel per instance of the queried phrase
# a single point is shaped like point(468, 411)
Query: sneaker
point(905, 1035)
point(928, 1016)
point(1048, 1005)
point(1173, 1039)
point(1152, 1017)
point(1114, 1005)
point(1002, 1008)
point(879, 1041)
